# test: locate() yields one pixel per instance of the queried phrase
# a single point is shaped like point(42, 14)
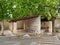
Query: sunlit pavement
point(49, 40)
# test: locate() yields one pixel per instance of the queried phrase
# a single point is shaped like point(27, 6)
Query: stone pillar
point(15, 27)
point(11, 26)
point(38, 24)
point(35, 24)
point(50, 27)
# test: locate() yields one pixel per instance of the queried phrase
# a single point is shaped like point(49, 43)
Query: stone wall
point(57, 25)
point(46, 26)
point(33, 24)
point(6, 25)
point(27, 25)
point(19, 24)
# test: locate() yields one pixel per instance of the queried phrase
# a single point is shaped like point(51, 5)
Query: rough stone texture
point(15, 28)
point(29, 24)
point(50, 27)
point(6, 25)
point(20, 24)
point(57, 25)
point(26, 36)
point(33, 24)
point(45, 25)
point(11, 26)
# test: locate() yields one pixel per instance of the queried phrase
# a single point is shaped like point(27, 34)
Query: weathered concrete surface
point(57, 25)
point(49, 40)
point(34, 24)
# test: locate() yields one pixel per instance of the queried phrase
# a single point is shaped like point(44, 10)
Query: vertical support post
point(50, 27)
point(11, 26)
point(15, 28)
point(39, 25)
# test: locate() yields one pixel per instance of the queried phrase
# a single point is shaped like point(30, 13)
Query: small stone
point(26, 36)
point(49, 33)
